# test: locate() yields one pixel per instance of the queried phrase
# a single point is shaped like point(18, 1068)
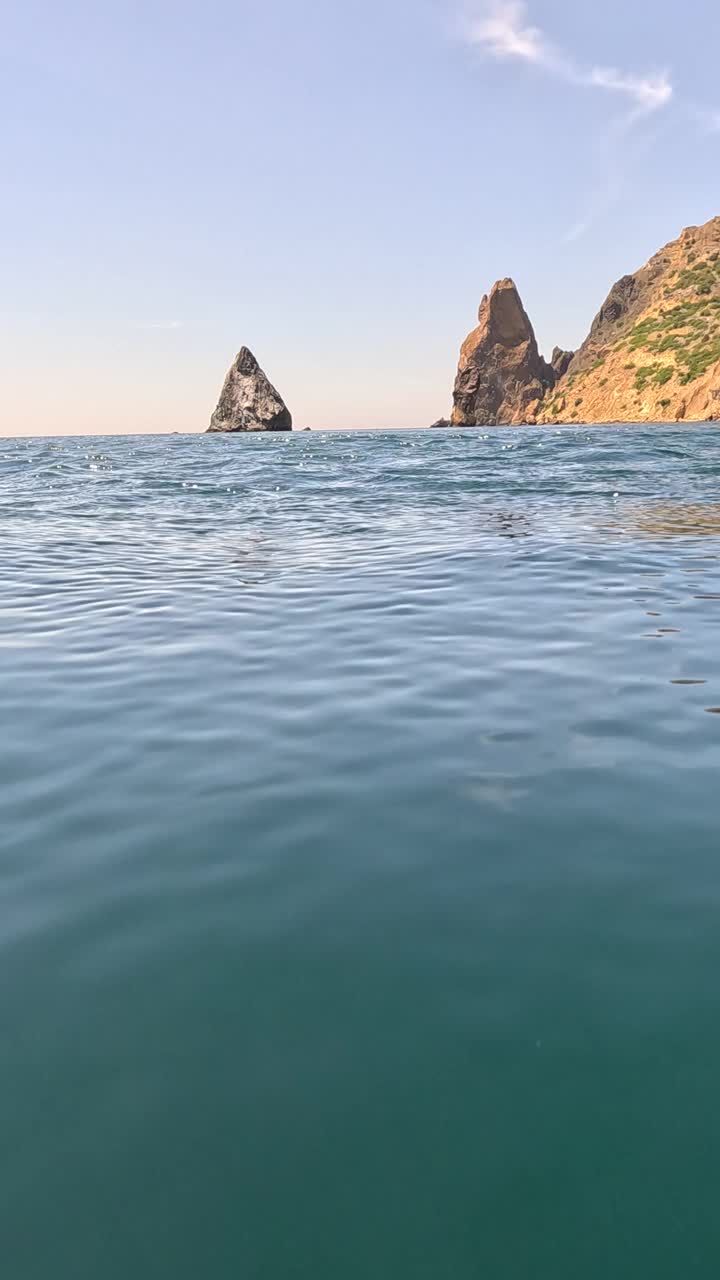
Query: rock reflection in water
point(671, 519)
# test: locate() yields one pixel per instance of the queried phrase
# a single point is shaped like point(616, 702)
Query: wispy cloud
point(649, 93)
point(164, 324)
point(503, 30)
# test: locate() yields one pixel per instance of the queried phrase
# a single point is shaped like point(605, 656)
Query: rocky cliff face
point(248, 401)
point(652, 354)
point(653, 351)
point(502, 378)
point(561, 361)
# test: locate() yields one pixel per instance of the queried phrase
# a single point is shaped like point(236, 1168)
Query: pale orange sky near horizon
point(173, 384)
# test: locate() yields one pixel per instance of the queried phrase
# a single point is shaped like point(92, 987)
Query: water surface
point(360, 871)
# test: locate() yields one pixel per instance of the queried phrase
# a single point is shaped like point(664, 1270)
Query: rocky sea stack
point(652, 354)
point(502, 378)
point(249, 401)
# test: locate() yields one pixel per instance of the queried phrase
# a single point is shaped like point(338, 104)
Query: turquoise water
point(360, 872)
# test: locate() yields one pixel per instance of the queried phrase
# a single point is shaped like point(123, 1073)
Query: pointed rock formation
point(502, 378)
point(561, 361)
point(248, 401)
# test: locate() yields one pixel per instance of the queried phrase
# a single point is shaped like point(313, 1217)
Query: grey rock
point(249, 401)
point(441, 422)
point(561, 361)
point(625, 300)
point(616, 305)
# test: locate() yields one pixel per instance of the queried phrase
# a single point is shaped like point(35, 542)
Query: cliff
point(248, 400)
point(502, 378)
point(652, 354)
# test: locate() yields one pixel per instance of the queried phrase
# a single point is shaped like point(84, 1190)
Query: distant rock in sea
point(652, 354)
point(441, 423)
point(249, 401)
point(502, 378)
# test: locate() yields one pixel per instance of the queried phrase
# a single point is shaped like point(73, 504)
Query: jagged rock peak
point(505, 315)
point(561, 361)
point(248, 400)
point(502, 378)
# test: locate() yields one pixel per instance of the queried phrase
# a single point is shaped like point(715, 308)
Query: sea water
point(360, 856)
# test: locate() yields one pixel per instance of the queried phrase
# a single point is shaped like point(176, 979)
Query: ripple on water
point(357, 854)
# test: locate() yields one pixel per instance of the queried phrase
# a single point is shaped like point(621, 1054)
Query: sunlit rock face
point(249, 401)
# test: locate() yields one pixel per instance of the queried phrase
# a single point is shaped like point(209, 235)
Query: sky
point(334, 184)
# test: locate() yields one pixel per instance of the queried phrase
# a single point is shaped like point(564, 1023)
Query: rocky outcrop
point(248, 401)
point(652, 353)
point(561, 361)
point(502, 378)
point(653, 350)
point(441, 424)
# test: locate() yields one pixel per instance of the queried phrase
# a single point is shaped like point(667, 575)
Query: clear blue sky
point(333, 183)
